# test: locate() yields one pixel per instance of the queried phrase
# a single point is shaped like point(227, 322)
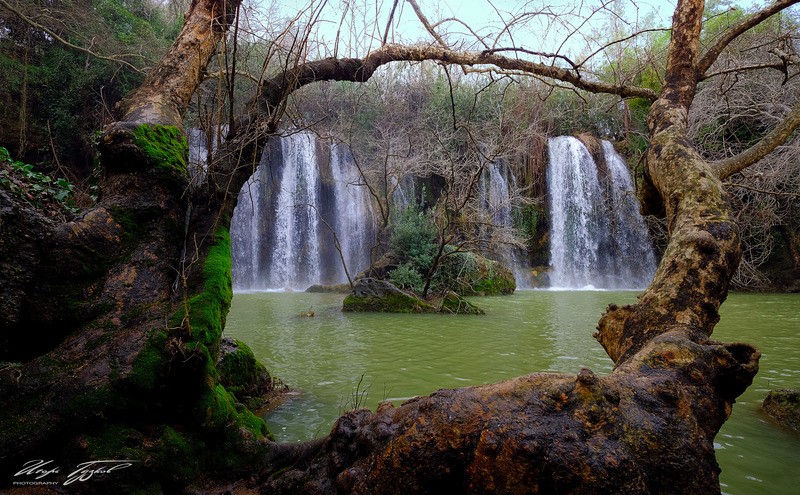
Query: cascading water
point(355, 220)
point(281, 228)
point(295, 262)
point(598, 239)
point(635, 262)
point(495, 189)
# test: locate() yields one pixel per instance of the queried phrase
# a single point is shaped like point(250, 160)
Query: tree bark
point(123, 359)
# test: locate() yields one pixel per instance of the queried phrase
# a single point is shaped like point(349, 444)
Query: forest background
point(68, 71)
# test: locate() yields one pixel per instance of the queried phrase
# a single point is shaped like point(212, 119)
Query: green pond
point(337, 361)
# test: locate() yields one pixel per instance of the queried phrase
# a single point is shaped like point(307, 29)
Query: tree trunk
point(646, 428)
point(132, 299)
point(128, 303)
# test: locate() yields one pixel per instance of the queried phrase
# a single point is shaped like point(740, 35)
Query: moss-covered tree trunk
point(118, 332)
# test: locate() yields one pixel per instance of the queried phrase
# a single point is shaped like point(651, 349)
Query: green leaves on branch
point(35, 187)
point(413, 239)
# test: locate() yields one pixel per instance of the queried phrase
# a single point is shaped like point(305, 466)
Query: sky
point(560, 26)
point(365, 20)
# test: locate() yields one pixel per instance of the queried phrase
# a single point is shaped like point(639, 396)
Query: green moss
point(219, 432)
point(165, 146)
point(207, 311)
point(115, 441)
point(390, 303)
point(151, 364)
point(215, 409)
point(178, 455)
point(239, 433)
point(103, 398)
point(495, 279)
point(239, 370)
point(133, 228)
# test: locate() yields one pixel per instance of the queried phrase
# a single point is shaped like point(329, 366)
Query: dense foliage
point(64, 93)
point(427, 121)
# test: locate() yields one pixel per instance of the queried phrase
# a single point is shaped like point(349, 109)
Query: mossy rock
point(493, 279)
point(374, 295)
point(330, 289)
point(784, 407)
point(454, 304)
point(388, 304)
point(241, 374)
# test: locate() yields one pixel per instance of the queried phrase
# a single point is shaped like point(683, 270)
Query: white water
point(282, 228)
point(295, 262)
point(355, 220)
point(598, 238)
point(495, 188)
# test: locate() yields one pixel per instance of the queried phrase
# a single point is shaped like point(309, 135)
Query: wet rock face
point(784, 407)
point(20, 236)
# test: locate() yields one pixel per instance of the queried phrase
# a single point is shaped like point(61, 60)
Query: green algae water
point(337, 361)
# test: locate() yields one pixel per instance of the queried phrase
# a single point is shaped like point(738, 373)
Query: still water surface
point(336, 360)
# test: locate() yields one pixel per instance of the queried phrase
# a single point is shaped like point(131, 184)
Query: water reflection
point(757, 456)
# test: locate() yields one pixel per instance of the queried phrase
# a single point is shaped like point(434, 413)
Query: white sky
point(364, 22)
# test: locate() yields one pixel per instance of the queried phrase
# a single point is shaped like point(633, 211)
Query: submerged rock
point(334, 289)
point(784, 407)
point(455, 304)
point(372, 294)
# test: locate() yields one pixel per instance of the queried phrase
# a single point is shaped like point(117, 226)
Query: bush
point(406, 277)
point(413, 239)
point(457, 271)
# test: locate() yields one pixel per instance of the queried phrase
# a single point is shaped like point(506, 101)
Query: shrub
point(413, 239)
point(406, 277)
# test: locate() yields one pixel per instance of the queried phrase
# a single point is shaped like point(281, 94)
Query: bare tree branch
point(467, 26)
point(778, 66)
point(729, 166)
point(36, 25)
point(737, 30)
point(762, 191)
point(427, 24)
point(612, 43)
point(359, 70)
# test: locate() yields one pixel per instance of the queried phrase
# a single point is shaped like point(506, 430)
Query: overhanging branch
point(737, 30)
point(278, 87)
point(729, 166)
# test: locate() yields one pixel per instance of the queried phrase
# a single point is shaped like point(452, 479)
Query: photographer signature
point(84, 471)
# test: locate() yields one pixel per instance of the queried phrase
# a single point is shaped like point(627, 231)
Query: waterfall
point(355, 220)
point(404, 193)
point(635, 262)
point(295, 262)
point(598, 239)
point(281, 227)
point(495, 188)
